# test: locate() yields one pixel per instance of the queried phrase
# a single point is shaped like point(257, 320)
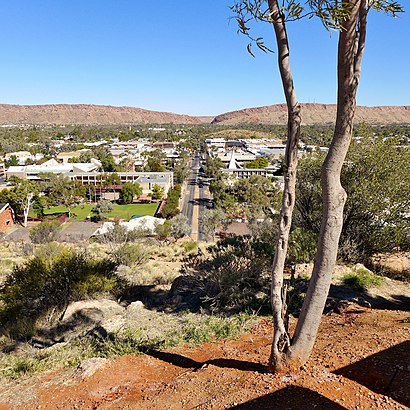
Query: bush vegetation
point(46, 283)
point(362, 279)
point(171, 207)
point(234, 274)
point(375, 177)
point(45, 232)
point(193, 329)
point(130, 254)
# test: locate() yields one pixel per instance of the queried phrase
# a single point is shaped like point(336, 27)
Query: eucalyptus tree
point(349, 18)
point(21, 196)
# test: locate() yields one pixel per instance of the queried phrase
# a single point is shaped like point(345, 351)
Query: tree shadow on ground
point(152, 296)
point(290, 398)
point(386, 372)
point(397, 302)
point(188, 363)
point(79, 323)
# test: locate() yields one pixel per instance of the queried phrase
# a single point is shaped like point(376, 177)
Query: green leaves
point(389, 7)
point(332, 14)
point(375, 177)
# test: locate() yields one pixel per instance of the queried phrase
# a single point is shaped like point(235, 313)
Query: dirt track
point(361, 361)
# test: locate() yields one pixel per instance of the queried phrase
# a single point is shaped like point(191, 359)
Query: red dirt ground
point(361, 361)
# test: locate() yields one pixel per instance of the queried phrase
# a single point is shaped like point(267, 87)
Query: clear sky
point(183, 56)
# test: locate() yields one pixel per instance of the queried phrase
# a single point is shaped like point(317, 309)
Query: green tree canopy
point(375, 177)
point(128, 191)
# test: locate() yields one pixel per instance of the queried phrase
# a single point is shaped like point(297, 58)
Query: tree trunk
point(281, 340)
point(350, 51)
point(26, 209)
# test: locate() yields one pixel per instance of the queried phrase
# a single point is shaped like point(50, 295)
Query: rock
point(186, 293)
point(134, 306)
point(342, 305)
point(95, 310)
point(89, 366)
point(113, 324)
point(96, 317)
point(394, 263)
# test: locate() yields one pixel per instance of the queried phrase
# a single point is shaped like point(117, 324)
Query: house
point(23, 156)
point(66, 156)
point(32, 172)
point(215, 142)
point(146, 223)
point(147, 180)
point(6, 217)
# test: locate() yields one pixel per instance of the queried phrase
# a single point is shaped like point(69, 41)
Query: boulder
point(89, 366)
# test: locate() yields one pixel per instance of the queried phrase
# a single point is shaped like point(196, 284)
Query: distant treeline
point(24, 138)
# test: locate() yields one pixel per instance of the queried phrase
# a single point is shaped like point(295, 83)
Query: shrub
point(235, 273)
point(179, 226)
point(162, 230)
point(171, 207)
point(302, 246)
point(118, 234)
point(362, 279)
point(45, 232)
point(47, 283)
point(190, 246)
point(102, 207)
point(130, 254)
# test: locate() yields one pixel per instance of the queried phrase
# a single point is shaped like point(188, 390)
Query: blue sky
point(179, 55)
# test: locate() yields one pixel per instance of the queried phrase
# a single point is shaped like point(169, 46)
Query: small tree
point(102, 207)
point(112, 180)
point(12, 161)
point(157, 192)
point(38, 206)
point(21, 197)
point(45, 232)
point(63, 191)
point(129, 191)
point(210, 220)
point(349, 17)
point(179, 226)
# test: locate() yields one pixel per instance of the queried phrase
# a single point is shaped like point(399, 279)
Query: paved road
point(189, 195)
point(196, 198)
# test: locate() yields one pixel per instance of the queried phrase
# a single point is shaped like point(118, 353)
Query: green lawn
point(122, 211)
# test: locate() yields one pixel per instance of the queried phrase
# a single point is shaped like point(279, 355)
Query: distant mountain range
point(60, 114)
point(64, 114)
point(314, 114)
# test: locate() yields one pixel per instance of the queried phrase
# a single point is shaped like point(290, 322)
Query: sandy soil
point(361, 361)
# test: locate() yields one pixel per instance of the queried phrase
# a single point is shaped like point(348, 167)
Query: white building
point(32, 172)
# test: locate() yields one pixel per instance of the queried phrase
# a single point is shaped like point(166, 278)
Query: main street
point(195, 198)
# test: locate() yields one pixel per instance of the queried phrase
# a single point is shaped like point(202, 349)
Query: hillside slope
point(60, 114)
point(314, 114)
point(88, 114)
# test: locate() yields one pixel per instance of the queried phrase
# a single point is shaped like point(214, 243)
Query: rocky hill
point(59, 114)
point(314, 114)
point(87, 114)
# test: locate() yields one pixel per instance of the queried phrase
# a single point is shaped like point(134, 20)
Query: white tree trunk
point(26, 209)
point(350, 51)
point(281, 340)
